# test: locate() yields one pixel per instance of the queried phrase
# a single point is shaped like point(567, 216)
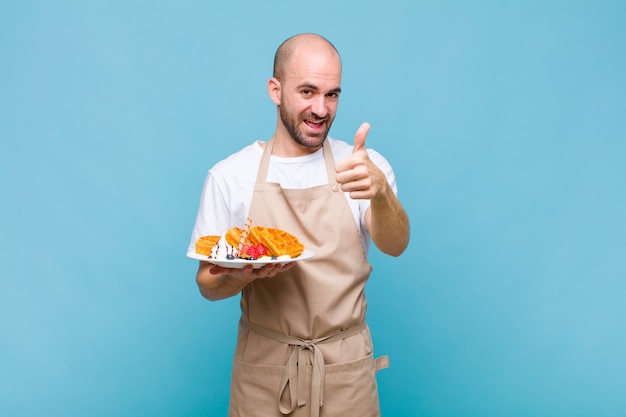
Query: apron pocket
point(254, 390)
point(351, 389)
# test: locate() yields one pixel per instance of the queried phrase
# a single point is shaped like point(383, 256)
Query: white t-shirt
point(229, 186)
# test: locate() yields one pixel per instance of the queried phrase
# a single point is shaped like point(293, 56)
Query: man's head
point(305, 87)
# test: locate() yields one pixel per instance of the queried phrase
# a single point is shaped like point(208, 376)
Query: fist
point(357, 174)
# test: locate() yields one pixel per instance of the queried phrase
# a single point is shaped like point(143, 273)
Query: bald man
point(304, 348)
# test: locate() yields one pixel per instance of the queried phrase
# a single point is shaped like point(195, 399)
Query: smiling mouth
point(315, 124)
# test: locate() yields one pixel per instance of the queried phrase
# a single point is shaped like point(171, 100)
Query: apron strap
point(330, 166)
point(294, 377)
point(382, 362)
point(261, 175)
point(328, 158)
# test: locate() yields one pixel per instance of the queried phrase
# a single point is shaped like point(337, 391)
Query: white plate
point(240, 263)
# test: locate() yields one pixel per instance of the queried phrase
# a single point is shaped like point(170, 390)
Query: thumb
point(359, 137)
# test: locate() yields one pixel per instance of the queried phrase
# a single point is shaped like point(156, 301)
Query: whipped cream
point(222, 250)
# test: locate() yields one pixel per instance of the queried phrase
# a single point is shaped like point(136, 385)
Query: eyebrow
point(314, 87)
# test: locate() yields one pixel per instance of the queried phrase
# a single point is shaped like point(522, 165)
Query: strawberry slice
point(260, 248)
point(249, 251)
point(254, 254)
point(245, 251)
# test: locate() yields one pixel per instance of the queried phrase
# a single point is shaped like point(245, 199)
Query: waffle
point(233, 236)
point(277, 242)
point(205, 243)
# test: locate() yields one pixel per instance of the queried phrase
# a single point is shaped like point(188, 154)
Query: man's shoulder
point(239, 161)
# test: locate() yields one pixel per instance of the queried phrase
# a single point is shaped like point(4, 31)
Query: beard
point(292, 122)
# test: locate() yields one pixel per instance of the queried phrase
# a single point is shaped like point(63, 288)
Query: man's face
point(309, 98)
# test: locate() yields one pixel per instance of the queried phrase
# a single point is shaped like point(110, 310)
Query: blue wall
point(504, 122)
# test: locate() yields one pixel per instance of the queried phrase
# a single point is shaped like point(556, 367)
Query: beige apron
point(303, 347)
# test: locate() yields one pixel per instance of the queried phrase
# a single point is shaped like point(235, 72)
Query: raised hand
point(357, 174)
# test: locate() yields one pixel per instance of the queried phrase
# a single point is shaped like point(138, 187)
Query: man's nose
point(319, 107)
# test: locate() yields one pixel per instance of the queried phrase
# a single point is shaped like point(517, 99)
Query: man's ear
point(274, 90)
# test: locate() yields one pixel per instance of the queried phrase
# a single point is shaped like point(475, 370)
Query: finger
point(216, 269)
point(287, 266)
point(359, 137)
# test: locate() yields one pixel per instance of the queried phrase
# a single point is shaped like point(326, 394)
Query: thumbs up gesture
point(359, 137)
point(357, 174)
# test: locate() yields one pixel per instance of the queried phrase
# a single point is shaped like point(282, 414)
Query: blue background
point(504, 122)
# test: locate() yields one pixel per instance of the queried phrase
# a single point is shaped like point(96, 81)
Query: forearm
point(388, 223)
point(218, 286)
point(216, 283)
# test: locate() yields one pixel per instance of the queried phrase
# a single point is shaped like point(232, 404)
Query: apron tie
point(294, 377)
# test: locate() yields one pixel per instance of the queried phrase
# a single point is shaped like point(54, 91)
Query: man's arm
point(388, 223)
point(216, 283)
point(386, 220)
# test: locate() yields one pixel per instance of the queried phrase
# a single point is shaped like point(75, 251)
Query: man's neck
point(286, 147)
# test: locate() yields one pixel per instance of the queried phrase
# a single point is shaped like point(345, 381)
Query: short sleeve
point(213, 215)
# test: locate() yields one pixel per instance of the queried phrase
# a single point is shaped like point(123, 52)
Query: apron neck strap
point(267, 153)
